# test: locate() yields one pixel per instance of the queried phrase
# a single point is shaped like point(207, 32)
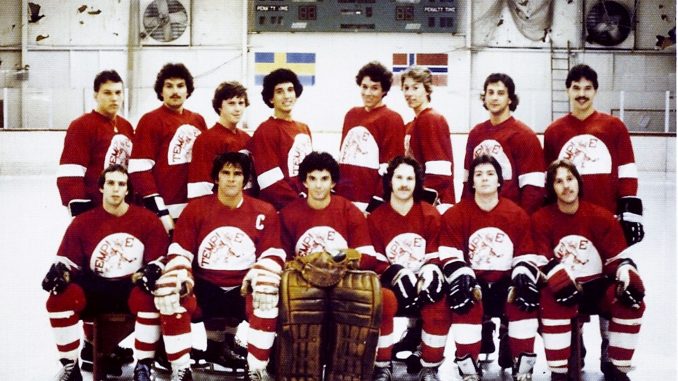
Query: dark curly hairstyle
point(551, 171)
point(486, 159)
point(106, 76)
point(377, 73)
point(228, 90)
point(173, 70)
point(234, 158)
point(277, 77)
point(318, 161)
point(418, 176)
point(510, 86)
point(581, 71)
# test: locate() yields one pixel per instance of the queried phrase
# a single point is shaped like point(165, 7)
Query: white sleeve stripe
point(66, 261)
point(626, 253)
point(439, 167)
point(533, 259)
point(448, 252)
point(270, 177)
point(532, 178)
point(175, 248)
point(140, 165)
point(274, 252)
point(629, 171)
point(464, 177)
point(200, 188)
point(176, 209)
point(367, 249)
point(71, 170)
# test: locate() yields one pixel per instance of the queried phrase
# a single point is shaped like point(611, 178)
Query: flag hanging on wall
point(436, 62)
point(303, 64)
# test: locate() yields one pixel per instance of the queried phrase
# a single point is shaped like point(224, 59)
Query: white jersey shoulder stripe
point(270, 177)
point(628, 171)
point(536, 179)
point(140, 165)
point(439, 167)
point(71, 170)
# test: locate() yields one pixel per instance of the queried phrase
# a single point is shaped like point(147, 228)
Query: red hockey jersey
point(92, 143)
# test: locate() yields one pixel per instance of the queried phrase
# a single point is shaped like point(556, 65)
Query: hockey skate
point(113, 363)
point(382, 373)
point(429, 374)
point(70, 371)
point(613, 373)
point(504, 358)
point(409, 342)
point(222, 358)
point(142, 371)
point(487, 342)
point(183, 374)
point(523, 367)
point(258, 375)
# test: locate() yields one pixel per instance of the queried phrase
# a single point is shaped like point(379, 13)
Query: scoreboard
point(416, 16)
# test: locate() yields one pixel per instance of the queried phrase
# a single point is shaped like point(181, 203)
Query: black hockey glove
point(562, 285)
point(430, 284)
point(524, 279)
point(146, 276)
point(630, 214)
point(57, 278)
point(76, 207)
point(402, 281)
point(630, 288)
point(463, 288)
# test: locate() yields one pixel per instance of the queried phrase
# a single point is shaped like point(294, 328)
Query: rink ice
point(33, 223)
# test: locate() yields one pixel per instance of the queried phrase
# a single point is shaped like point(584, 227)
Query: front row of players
point(229, 250)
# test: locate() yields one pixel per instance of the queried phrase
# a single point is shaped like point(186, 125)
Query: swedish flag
point(303, 64)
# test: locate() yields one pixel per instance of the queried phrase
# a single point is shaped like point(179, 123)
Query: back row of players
point(167, 138)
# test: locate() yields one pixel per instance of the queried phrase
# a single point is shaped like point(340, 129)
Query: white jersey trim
point(201, 188)
point(270, 177)
point(71, 170)
point(536, 179)
point(448, 252)
point(176, 209)
point(629, 171)
point(439, 167)
point(140, 165)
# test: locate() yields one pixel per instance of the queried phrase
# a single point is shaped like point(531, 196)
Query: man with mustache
point(163, 145)
point(372, 135)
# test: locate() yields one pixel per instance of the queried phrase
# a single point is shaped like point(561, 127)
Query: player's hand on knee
point(403, 283)
point(630, 214)
point(147, 276)
point(57, 278)
point(564, 287)
point(430, 284)
point(630, 288)
point(524, 279)
point(175, 282)
point(263, 280)
point(463, 288)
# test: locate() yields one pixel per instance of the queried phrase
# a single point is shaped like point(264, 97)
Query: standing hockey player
point(600, 146)
point(163, 145)
point(280, 143)
point(229, 102)
point(221, 242)
point(92, 273)
point(372, 135)
point(405, 230)
point(589, 272)
point(427, 137)
point(93, 142)
point(485, 245)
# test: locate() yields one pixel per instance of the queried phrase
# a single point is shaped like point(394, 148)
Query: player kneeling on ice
point(221, 242)
point(487, 254)
point(92, 274)
point(589, 272)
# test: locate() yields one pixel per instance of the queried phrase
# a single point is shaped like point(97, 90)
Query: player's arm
point(155, 247)
point(438, 161)
point(72, 168)
point(68, 262)
point(199, 181)
point(629, 205)
point(531, 176)
point(430, 278)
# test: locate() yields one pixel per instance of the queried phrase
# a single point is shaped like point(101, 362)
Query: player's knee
point(72, 298)
point(140, 301)
point(389, 304)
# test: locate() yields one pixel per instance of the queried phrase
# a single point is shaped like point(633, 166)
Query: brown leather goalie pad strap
point(355, 305)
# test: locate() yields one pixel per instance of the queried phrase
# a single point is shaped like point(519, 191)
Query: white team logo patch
point(117, 255)
point(226, 248)
point(359, 148)
point(119, 151)
point(579, 256)
point(407, 250)
point(320, 238)
point(490, 248)
point(300, 148)
point(493, 148)
point(588, 153)
point(180, 150)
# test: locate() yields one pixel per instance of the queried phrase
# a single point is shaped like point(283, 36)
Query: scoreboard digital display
point(414, 16)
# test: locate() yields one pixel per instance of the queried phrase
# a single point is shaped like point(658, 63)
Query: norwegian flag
point(436, 62)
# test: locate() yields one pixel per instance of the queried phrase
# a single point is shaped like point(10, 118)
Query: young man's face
point(284, 97)
point(371, 92)
point(109, 99)
point(403, 182)
point(565, 186)
point(319, 184)
point(415, 93)
point(115, 188)
point(497, 98)
point(230, 180)
point(485, 179)
point(232, 109)
point(581, 94)
point(174, 92)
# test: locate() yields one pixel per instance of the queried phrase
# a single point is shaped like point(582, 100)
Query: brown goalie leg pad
point(355, 304)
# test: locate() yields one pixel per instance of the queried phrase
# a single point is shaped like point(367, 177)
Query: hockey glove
point(76, 207)
point(156, 204)
point(402, 281)
point(57, 278)
point(630, 214)
point(430, 284)
point(263, 280)
point(175, 282)
point(565, 289)
point(526, 293)
point(463, 288)
point(147, 276)
point(630, 288)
